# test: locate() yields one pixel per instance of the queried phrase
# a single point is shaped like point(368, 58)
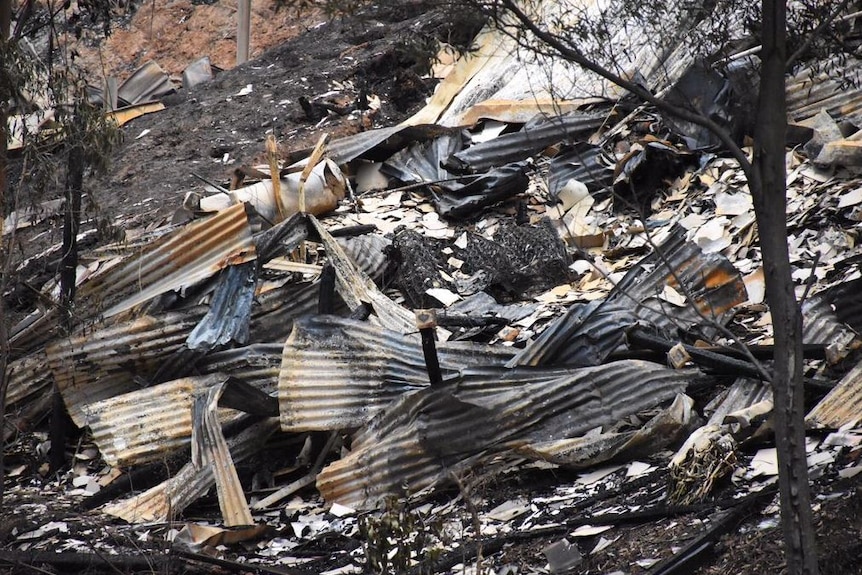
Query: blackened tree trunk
point(60, 423)
point(768, 188)
point(5, 23)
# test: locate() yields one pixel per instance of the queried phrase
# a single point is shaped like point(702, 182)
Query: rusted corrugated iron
point(27, 377)
point(148, 424)
point(149, 82)
point(842, 406)
point(209, 449)
point(117, 358)
point(586, 334)
point(356, 287)
point(663, 429)
point(194, 253)
point(420, 439)
point(336, 372)
point(583, 162)
point(835, 90)
point(229, 313)
point(833, 318)
point(168, 499)
point(257, 364)
point(190, 254)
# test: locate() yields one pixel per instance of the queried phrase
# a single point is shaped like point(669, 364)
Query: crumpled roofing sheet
point(499, 80)
point(419, 440)
point(336, 372)
point(188, 255)
point(587, 334)
point(147, 425)
point(842, 407)
point(169, 498)
point(116, 358)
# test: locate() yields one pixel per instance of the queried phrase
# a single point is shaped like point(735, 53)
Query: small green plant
point(397, 538)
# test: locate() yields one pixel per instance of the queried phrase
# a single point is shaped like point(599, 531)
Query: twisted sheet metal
point(194, 253)
point(336, 372)
point(835, 87)
point(27, 377)
point(833, 318)
point(258, 364)
point(116, 358)
point(148, 424)
point(190, 254)
point(168, 499)
point(842, 407)
point(531, 139)
point(585, 335)
point(420, 439)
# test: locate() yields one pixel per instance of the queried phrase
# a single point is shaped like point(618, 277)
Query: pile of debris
point(576, 290)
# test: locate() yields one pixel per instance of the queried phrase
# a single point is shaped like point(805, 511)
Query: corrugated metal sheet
point(168, 499)
point(27, 377)
point(663, 429)
point(209, 449)
point(833, 317)
point(336, 372)
point(742, 394)
point(229, 313)
point(418, 440)
point(149, 82)
point(529, 140)
point(148, 424)
point(842, 406)
point(116, 358)
point(835, 87)
point(258, 364)
point(376, 144)
point(273, 312)
point(180, 259)
point(587, 333)
point(356, 287)
point(499, 71)
point(583, 162)
point(194, 253)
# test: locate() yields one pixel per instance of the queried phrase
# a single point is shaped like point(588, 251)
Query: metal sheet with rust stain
point(419, 439)
point(842, 406)
point(149, 424)
point(834, 89)
point(193, 253)
point(116, 358)
point(336, 372)
point(585, 335)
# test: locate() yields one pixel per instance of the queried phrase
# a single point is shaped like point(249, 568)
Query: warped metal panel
point(193, 253)
point(209, 449)
point(149, 82)
point(665, 428)
point(420, 439)
point(168, 499)
point(117, 358)
point(842, 406)
point(529, 140)
point(336, 373)
point(27, 377)
point(182, 258)
point(258, 364)
point(837, 90)
point(586, 334)
point(833, 317)
point(146, 425)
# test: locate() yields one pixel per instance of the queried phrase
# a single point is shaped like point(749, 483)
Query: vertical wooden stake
point(272, 157)
point(426, 321)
